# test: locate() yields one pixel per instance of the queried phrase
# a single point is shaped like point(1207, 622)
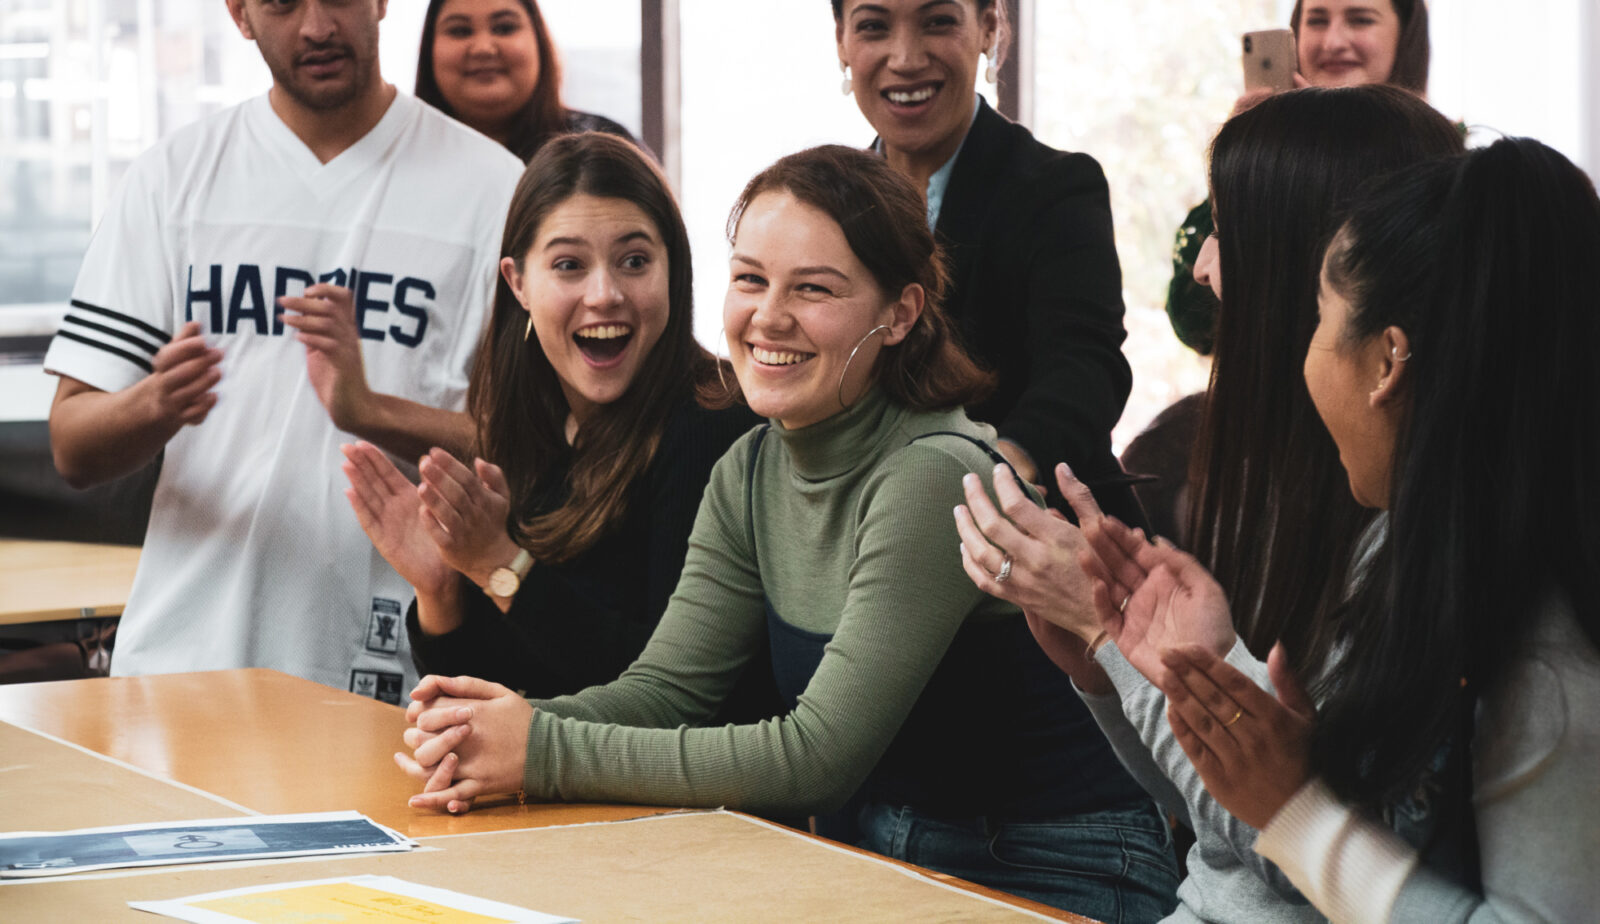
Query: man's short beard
point(327, 99)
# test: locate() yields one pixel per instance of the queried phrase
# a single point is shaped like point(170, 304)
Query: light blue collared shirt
point(940, 181)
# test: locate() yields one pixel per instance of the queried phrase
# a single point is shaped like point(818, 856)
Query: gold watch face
point(503, 582)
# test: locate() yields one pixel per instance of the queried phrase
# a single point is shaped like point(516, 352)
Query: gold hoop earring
point(846, 370)
point(528, 331)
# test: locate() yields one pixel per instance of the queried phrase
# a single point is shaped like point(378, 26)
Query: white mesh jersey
point(253, 557)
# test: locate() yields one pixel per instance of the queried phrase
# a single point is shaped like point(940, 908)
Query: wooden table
point(44, 581)
point(223, 743)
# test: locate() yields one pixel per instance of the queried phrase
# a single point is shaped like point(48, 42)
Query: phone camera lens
point(1247, 44)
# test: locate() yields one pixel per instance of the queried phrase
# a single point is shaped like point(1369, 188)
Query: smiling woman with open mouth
point(1035, 286)
point(918, 718)
point(598, 419)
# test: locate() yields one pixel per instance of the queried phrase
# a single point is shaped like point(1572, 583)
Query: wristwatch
point(504, 580)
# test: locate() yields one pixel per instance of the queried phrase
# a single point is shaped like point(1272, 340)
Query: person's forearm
point(408, 429)
point(441, 610)
point(96, 436)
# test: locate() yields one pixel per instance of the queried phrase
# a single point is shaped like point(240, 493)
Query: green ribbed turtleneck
point(853, 538)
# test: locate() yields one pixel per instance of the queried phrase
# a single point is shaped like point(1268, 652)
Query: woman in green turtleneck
point(922, 719)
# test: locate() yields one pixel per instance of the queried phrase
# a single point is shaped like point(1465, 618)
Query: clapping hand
point(325, 318)
point(1025, 554)
point(1152, 598)
point(466, 511)
point(1250, 749)
point(387, 506)
point(186, 372)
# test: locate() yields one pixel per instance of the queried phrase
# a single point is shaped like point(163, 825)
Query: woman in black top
point(1035, 286)
point(491, 64)
point(547, 569)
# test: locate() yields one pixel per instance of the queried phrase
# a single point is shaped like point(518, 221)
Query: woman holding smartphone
point(1338, 43)
point(1035, 286)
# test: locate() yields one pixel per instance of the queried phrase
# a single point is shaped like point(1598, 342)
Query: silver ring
point(1005, 571)
point(1124, 604)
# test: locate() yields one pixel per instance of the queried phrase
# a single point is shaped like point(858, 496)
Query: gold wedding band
point(1236, 714)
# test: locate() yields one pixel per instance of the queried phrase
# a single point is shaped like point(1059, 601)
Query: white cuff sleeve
point(1350, 867)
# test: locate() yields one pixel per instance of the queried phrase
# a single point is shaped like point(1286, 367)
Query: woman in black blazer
point(1036, 289)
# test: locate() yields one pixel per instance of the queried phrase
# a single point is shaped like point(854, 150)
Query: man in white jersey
point(312, 265)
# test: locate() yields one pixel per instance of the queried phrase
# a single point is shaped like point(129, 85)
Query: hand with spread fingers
point(466, 512)
point(1250, 749)
point(325, 318)
point(1152, 597)
point(469, 738)
point(1028, 555)
point(387, 507)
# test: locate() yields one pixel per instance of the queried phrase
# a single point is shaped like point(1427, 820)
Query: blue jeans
point(1116, 866)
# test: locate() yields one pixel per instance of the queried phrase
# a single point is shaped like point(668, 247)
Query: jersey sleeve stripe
point(139, 361)
point(129, 320)
point(142, 344)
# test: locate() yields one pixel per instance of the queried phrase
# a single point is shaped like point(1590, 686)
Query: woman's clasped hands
point(468, 738)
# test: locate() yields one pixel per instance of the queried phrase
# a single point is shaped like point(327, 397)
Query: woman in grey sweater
point(1279, 174)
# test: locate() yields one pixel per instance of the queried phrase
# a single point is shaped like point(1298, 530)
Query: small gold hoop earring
point(528, 331)
point(846, 370)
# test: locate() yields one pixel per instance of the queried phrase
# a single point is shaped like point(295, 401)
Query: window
point(1142, 85)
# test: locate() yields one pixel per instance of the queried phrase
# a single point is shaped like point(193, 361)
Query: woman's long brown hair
point(515, 396)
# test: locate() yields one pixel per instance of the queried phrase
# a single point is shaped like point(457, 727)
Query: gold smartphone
point(1269, 60)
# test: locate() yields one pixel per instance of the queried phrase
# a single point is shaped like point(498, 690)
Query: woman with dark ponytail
point(1450, 769)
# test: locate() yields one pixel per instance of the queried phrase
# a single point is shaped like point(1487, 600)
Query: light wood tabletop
point(42, 581)
point(267, 741)
point(128, 750)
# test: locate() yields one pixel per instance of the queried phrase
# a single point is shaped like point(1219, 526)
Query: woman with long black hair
point(1273, 515)
point(1448, 771)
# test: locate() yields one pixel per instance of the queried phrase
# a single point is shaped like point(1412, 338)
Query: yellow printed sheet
point(356, 900)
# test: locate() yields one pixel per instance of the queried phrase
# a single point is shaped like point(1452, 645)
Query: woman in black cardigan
point(1036, 289)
